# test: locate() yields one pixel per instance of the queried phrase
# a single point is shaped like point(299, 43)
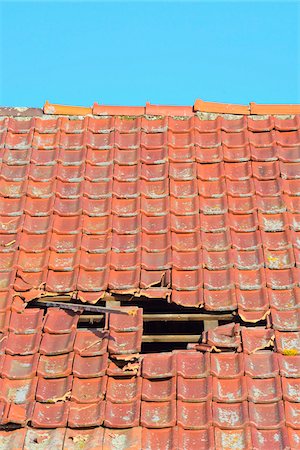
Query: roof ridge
point(200, 106)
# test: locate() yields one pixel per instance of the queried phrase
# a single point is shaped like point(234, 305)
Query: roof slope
point(198, 207)
point(203, 208)
point(65, 387)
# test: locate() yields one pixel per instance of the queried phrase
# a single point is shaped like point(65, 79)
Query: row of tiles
point(232, 224)
point(154, 156)
point(264, 157)
point(152, 414)
point(214, 282)
point(75, 166)
point(29, 260)
point(150, 140)
point(284, 297)
point(141, 438)
point(91, 358)
point(238, 244)
point(152, 124)
point(99, 209)
point(128, 390)
point(157, 191)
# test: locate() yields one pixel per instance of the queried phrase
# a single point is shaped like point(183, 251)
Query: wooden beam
point(209, 324)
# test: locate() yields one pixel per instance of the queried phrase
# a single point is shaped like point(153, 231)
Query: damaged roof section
point(62, 384)
point(200, 210)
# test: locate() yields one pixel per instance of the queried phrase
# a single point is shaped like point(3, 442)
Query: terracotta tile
point(18, 414)
point(55, 366)
point(92, 280)
point(194, 389)
point(125, 260)
point(158, 414)
point(159, 438)
point(272, 222)
point(22, 344)
point(7, 260)
point(89, 390)
point(19, 367)
point(195, 439)
point(32, 262)
point(125, 342)
point(124, 279)
point(227, 439)
point(123, 390)
point(53, 390)
point(257, 339)
point(157, 390)
point(67, 224)
point(187, 279)
point(122, 415)
point(289, 365)
point(130, 438)
point(150, 224)
point(267, 416)
point(90, 366)
point(253, 300)
point(265, 390)
point(65, 242)
point(227, 365)
point(220, 300)
point(90, 342)
point(223, 336)
point(34, 242)
point(158, 365)
point(287, 343)
point(230, 415)
point(290, 389)
point(194, 415)
point(284, 299)
point(261, 364)
point(60, 321)
point(81, 415)
point(192, 364)
point(96, 225)
point(250, 279)
point(56, 344)
point(229, 390)
point(264, 439)
point(18, 391)
point(61, 281)
point(92, 439)
point(53, 439)
point(50, 415)
point(12, 439)
point(216, 241)
point(286, 320)
point(218, 279)
point(248, 259)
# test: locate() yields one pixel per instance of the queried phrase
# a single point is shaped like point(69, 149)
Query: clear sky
point(128, 53)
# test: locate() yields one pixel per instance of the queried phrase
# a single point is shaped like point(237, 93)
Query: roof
point(238, 388)
point(198, 205)
point(200, 208)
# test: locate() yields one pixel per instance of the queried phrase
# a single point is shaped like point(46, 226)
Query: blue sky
point(163, 52)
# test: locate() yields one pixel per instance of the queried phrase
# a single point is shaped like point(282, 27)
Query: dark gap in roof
point(159, 347)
